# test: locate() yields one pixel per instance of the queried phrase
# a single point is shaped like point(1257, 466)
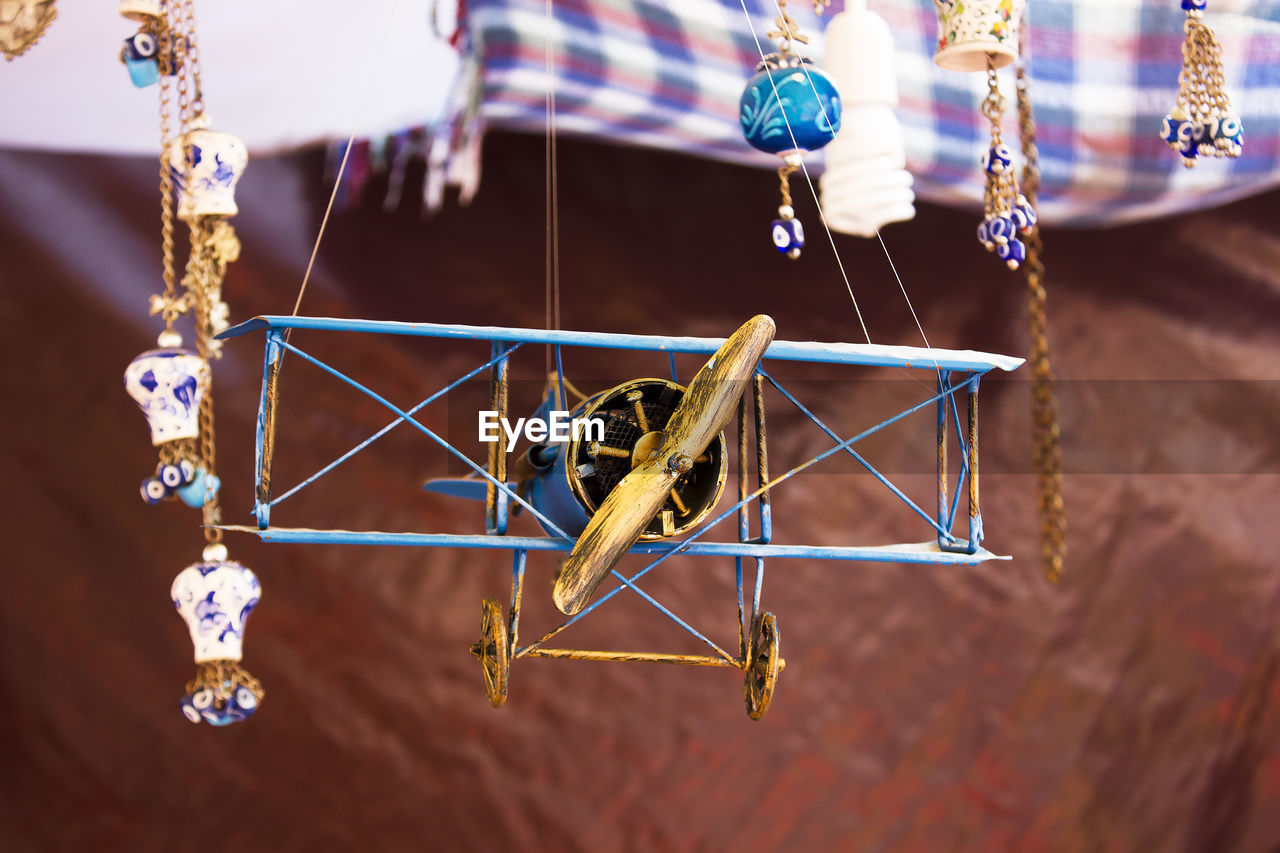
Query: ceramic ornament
point(207, 174)
point(789, 108)
point(215, 597)
point(1201, 124)
point(168, 384)
point(972, 31)
point(865, 185)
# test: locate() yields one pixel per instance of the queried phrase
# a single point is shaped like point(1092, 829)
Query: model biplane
point(648, 482)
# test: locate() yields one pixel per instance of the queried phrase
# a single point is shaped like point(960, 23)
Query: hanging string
point(552, 193)
point(351, 139)
point(809, 180)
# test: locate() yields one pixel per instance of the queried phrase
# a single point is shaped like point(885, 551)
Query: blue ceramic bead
point(1179, 132)
point(997, 159)
point(1012, 253)
point(140, 46)
point(193, 494)
point(1193, 5)
point(1023, 215)
point(788, 236)
point(1001, 229)
point(171, 476)
point(984, 234)
point(153, 491)
point(207, 705)
point(142, 72)
point(798, 101)
point(1230, 135)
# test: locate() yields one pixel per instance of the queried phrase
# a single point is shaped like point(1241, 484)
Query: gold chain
point(213, 243)
point(784, 182)
point(1046, 438)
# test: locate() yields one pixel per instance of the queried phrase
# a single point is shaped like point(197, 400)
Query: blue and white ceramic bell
point(168, 384)
point(215, 597)
point(207, 174)
point(789, 106)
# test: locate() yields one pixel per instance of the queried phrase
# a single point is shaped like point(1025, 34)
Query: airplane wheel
point(763, 665)
point(494, 651)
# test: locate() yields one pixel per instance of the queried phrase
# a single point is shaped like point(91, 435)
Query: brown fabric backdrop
point(1134, 707)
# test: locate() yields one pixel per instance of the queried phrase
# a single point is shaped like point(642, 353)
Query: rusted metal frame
point(501, 485)
point(495, 501)
point(265, 442)
point(688, 541)
point(744, 531)
point(975, 508)
point(562, 403)
point(762, 462)
point(386, 429)
point(974, 540)
point(407, 418)
point(519, 559)
point(628, 583)
point(644, 657)
point(963, 479)
point(944, 382)
point(859, 458)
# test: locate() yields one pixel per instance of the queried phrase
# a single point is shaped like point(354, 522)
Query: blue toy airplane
point(639, 469)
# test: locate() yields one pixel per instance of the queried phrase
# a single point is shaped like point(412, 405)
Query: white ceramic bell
point(206, 176)
point(970, 31)
point(865, 185)
point(167, 385)
point(140, 10)
point(214, 597)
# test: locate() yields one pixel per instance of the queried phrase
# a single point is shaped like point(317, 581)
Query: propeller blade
point(708, 405)
point(712, 397)
point(613, 528)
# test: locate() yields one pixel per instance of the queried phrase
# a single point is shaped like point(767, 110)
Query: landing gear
point(494, 651)
point(762, 665)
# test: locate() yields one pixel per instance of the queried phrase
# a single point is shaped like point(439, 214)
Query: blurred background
point(1133, 706)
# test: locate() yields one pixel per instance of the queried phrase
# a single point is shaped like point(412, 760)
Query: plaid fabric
point(668, 74)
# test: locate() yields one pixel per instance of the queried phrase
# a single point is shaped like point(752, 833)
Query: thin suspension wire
point(337, 182)
point(809, 181)
point(552, 192)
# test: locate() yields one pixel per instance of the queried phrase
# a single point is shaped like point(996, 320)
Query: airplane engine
point(569, 480)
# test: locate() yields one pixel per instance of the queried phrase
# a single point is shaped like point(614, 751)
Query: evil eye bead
point(189, 710)
point(1203, 135)
point(1193, 5)
point(1000, 229)
point(1178, 132)
point(984, 234)
point(194, 493)
point(788, 236)
point(153, 491)
point(1023, 215)
point(1012, 253)
point(141, 46)
point(997, 159)
point(1230, 135)
point(171, 476)
point(188, 470)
